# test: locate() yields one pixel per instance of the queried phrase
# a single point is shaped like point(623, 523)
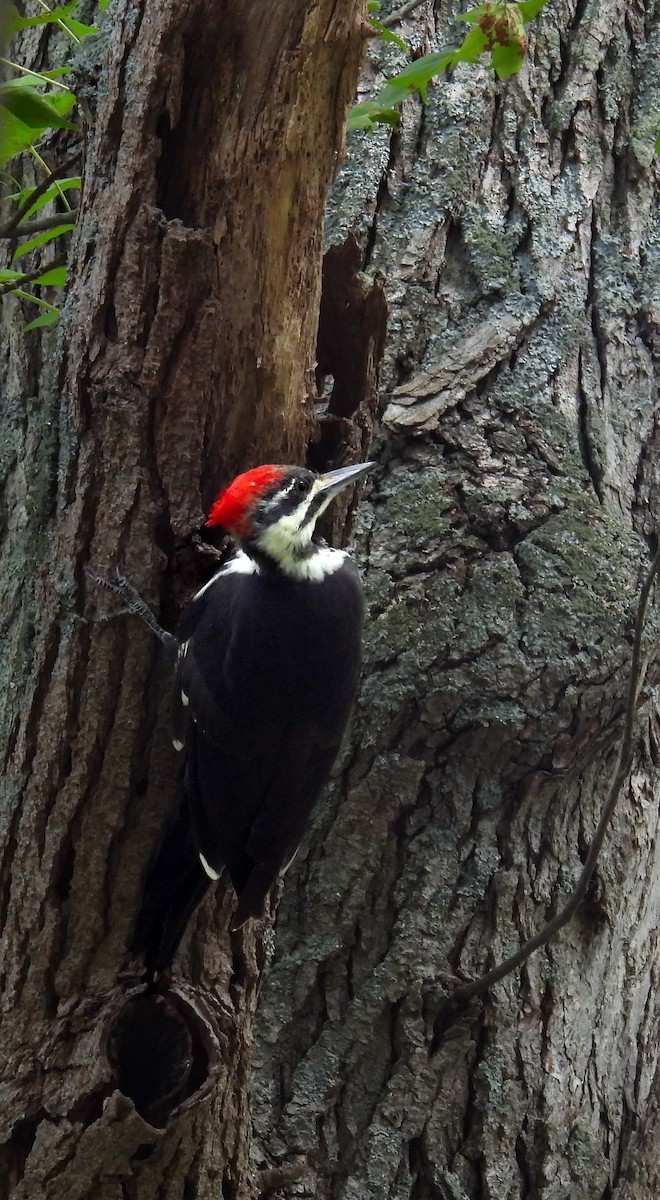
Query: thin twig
point(30, 227)
point(7, 62)
point(44, 166)
point(37, 192)
point(462, 994)
point(400, 13)
point(30, 276)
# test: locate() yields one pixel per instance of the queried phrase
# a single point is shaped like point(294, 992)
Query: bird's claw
point(134, 604)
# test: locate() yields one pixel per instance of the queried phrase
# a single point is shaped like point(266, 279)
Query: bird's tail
point(175, 886)
point(252, 895)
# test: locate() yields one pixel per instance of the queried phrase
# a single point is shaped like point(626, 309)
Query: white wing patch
point(284, 869)
point(208, 868)
point(240, 564)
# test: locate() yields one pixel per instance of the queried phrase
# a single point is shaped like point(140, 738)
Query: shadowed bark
point(185, 351)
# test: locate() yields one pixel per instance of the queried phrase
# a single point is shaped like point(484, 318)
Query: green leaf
point(55, 72)
point(474, 43)
point(55, 277)
point(78, 28)
point(33, 109)
point(6, 274)
point(45, 304)
point(657, 146)
point(62, 185)
point(371, 112)
point(34, 79)
point(14, 20)
point(40, 239)
point(418, 73)
point(21, 129)
point(62, 102)
point(49, 318)
point(14, 137)
point(21, 81)
point(414, 77)
point(507, 60)
point(498, 27)
point(530, 9)
point(475, 14)
point(387, 35)
point(391, 95)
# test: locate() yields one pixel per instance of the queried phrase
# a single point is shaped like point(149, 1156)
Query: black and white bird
point(268, 661)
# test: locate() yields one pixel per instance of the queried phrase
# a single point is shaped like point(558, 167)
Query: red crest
point(232, 506)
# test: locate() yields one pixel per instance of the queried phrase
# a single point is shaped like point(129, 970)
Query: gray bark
point(504, 545)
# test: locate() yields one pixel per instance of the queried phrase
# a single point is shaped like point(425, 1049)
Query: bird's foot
point(134, 605)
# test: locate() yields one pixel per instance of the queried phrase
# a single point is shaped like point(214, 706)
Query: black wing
point(265, 685)
point(265, 679)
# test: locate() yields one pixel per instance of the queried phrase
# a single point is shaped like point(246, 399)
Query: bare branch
point(12, 284)
point(400, 13)
point(36, 193)
point(30, 227)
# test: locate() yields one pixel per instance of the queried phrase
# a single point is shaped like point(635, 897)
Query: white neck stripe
point(323, 561)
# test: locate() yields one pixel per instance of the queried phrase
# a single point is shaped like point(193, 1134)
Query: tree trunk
point(504, 548)
point(185, 351)
point(504, 545)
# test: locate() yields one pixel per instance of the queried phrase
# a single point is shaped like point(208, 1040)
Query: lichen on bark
point(504, 546)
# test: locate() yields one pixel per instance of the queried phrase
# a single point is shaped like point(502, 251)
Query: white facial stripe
point(297, 518)
point(288, 540)
point(290, 530)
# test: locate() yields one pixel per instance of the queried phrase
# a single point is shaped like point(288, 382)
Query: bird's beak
point(333, 481)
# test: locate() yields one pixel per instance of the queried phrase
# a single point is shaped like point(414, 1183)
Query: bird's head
point(274, 509)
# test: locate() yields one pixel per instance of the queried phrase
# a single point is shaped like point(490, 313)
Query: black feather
point(264, 684)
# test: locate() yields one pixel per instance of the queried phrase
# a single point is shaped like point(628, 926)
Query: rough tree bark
point(517, 227)
point(505, 544)
point(185, 351)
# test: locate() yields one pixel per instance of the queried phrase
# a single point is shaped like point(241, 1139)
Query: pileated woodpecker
point(268, 658)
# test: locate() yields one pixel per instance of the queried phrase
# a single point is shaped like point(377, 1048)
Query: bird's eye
point(302, 486)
